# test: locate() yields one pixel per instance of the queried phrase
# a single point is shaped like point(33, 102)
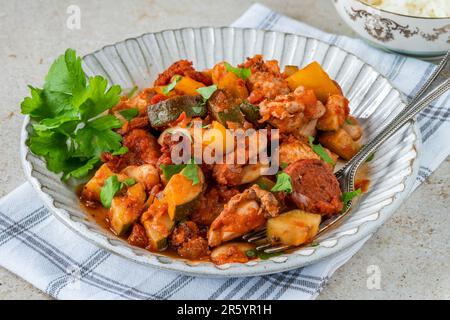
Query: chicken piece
point(91, 190)
point(188, 242)
point(292, 149)
point(146, 174)
point(126, 209)
point(336, 111)
point(295, 113)
point(137, 236)
point(228, 174)
point(182, 68)
point(244, 212)
point(265, 81)
point(353, 128)
point(211, 204)
point(142, 147)
point(209, 208)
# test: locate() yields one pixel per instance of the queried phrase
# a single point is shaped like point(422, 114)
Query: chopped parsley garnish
point(284, 165)
point(171, 85)
point(121, 151)
point(250, 253)
point(70, 129)
point(284, 183)
point(320, 151)
point(261, 254)
point(169, 170)
point(349, 121)
point(129, 114)
point(111, 187)
point(191, 172)
point(207, 92)
point(198, 109)
point(370, 158)
point(243, 73)
point(348, 196)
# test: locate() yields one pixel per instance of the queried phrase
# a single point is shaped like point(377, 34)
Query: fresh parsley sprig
point(70, 130)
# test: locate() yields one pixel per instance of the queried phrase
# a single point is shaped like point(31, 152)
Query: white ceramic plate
point(137, 61)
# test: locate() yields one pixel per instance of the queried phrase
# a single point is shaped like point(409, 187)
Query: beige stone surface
point(412, 251)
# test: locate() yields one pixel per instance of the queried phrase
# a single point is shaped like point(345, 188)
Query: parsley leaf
point(191, 172)
point(265, 256)
point(171, 85)
point(284, 165)
point(171, 169)
point(109, 190)
point(370, 158)
point(348, 196)
point(261, 254)
point(284, 183)
point(243, 73)
point(207, 92)
point(198, 109)
point(96, 98)
point(69, 128)
point(129, 182)
point(129, 114)
point(120, 152)
point(250, 253)
point(111, 187)
point(320, 151)
point(349, 121)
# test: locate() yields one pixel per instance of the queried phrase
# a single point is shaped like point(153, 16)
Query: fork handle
point(436, 85)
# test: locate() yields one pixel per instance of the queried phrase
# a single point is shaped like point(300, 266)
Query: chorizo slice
point(315, 188)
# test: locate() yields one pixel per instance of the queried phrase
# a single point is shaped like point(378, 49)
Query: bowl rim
point(261, 267)
point(400, 14)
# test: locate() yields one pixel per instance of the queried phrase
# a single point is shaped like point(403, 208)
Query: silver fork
point(436, 85)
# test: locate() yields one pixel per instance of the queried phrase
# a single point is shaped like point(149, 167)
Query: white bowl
point(417, 36)
point(137, 61)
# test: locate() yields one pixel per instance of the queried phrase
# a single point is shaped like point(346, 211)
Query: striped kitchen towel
point(38, 248)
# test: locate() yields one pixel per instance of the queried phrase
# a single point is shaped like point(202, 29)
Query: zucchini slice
point(251, 112)
point(158, 225)
point(293, 228)
point(182, 195)
point(126, 209)
point(167, 111)
point(224, 108)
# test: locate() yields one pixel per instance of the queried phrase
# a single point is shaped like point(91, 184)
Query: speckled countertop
point(412, 250)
